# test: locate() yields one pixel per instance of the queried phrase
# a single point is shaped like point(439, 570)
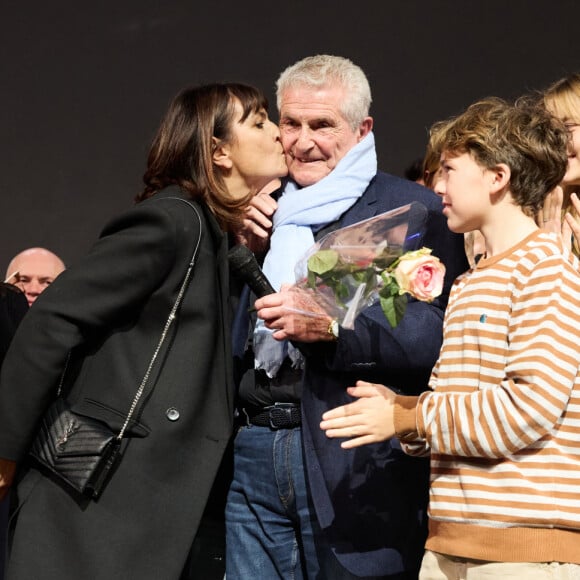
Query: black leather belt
point(276, 416)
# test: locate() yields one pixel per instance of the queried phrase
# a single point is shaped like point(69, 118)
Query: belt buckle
point(286, 408)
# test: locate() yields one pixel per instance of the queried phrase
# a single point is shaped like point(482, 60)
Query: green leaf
point(400, 306)
point(322, 261)
point(390, 286)
point(387, 277)
point(388, 306)
point(365, 275)
point(341, 291)
point(385, 292)
point(394, 308)
point(311, 279)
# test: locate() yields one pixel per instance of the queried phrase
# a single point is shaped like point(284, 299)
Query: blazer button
point(172, 414)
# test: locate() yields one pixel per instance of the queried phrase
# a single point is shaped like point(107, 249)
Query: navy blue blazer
point(371, 501)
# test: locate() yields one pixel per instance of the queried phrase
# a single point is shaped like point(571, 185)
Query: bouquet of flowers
point(372, 260)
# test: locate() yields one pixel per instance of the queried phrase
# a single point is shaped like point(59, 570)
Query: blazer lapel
point(366, 206)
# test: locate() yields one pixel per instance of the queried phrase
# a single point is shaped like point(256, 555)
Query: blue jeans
point(271, 527)
point(270, 523)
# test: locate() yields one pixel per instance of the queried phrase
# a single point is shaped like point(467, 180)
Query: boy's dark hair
point(432, 159)
point(524, 136)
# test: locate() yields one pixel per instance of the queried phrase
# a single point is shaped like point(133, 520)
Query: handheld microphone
point(245, 267)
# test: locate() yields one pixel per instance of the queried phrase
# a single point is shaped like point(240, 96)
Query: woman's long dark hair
point(181, 152)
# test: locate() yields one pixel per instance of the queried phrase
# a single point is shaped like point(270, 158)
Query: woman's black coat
point(109, 311)
point(13, 307)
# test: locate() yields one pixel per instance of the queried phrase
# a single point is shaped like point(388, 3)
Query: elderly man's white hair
point(325, 70)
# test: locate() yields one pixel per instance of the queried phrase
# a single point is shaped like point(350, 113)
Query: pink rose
point(420, 274)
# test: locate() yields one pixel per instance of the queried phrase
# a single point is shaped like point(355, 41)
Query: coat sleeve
point(102, 292)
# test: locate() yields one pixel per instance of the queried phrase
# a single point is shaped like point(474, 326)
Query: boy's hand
point(368, 420)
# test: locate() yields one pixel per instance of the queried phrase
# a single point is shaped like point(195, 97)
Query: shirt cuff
point(405, 416)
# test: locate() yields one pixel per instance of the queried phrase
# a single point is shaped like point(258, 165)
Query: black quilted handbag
point(79, 451)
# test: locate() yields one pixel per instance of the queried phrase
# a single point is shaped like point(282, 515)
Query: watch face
point(334, 328)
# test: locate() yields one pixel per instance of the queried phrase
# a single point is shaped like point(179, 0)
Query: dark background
point(84, 85)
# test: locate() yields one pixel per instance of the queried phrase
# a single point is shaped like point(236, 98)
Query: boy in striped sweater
point(502, 419)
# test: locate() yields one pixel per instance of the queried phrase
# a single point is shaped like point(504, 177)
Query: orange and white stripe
point(502, 423)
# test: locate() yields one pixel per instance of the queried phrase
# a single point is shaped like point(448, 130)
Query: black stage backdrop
point(84, 84)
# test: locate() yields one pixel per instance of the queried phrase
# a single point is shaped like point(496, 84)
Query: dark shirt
point(256, 389)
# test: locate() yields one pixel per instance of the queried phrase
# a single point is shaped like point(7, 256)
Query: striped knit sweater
point(502, 422)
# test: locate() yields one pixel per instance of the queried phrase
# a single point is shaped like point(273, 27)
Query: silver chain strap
point(170, 319)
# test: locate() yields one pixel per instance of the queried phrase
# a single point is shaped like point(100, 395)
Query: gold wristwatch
point(333, 329)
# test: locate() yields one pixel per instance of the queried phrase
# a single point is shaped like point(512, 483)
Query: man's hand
point(257, 224)
point(370, 419)
point(293, 314)
point(7, 470)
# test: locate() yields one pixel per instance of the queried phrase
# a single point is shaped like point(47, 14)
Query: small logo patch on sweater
point(483, 318)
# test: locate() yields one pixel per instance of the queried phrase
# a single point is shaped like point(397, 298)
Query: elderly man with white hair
point(300, 506)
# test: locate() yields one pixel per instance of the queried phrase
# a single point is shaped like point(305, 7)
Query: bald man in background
point(32, 270)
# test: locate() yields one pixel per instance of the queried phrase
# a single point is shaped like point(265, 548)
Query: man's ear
point(365, 128)
point(500, 176)
point(221, 154)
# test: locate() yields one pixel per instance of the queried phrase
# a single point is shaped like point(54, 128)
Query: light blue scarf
point(301, 212)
